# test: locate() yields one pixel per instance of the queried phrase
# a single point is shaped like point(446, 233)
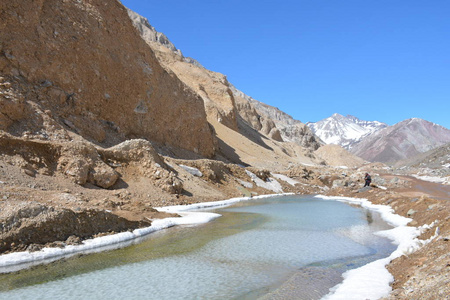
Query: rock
point(29, 172)
point(275, 134)
point(81, 161)
point(172, 184)
point(264, 175)
point(411, 212)
point(73, 240)
point(29, 223)
point(78, 169)
point(432, 206)
point(339, 183)
point(103, 176)
point(394, 180)
point(34, 247)
point(364, 189)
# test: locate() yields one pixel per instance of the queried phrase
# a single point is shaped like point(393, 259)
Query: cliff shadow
point(229, 153)
point(252, 134)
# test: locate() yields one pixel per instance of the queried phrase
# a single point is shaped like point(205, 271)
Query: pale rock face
point(287, 128)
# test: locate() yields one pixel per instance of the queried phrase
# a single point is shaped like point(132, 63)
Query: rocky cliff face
point(81, 67)
point(279, 124)
point(223, 102)
point(401, 141)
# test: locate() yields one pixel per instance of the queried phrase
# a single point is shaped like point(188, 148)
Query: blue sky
point(385, 60)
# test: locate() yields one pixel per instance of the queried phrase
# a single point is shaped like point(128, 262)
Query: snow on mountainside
point(402, 141)
point(344, 130)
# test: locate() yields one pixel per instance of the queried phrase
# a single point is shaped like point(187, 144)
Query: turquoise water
point(250, 250)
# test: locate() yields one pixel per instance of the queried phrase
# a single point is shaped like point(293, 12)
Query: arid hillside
point(246, 129)
point(81, 66)
point(94, 125)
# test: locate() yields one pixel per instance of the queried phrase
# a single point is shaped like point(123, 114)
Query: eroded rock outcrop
point(82, 163)
point(86, 67)
point(223, 102)
point(35, 223)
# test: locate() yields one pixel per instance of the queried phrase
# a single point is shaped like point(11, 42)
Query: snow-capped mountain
point(344, 130)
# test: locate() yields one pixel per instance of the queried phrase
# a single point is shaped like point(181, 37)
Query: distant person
point(368, 180)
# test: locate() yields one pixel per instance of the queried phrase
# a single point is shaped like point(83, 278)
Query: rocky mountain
point(437, 158)
point(287, 128)
point(345, 131)
point(401, 141)
point(149, 33)
point(81, 68)
point(234, 115)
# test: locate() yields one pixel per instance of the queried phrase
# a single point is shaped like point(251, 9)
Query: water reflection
point(252, 249)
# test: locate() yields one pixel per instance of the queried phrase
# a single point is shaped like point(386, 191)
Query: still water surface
point(253, 248)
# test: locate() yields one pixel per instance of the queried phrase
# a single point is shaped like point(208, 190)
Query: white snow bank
point(100, 243)
point(192, 170)
point(436, 179)
point(246, 184)
point(372, 281)
point(213, 204)
point(342, 167)
point(19, 260)
point(285, 178)
point(271, 184)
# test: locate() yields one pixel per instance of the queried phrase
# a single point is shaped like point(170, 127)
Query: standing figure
point(368, 180)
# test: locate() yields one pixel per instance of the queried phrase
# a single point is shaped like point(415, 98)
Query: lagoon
point(251, 252)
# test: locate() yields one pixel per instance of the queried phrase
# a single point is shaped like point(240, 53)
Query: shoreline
point(352, 282)
point(16, 261)
point(373, 280)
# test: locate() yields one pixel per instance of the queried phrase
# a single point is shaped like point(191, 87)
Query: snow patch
point(246, 184)
point(192, 170)
point(436, 179)
point(285, 178)
point(271, 184)
point(372, 281)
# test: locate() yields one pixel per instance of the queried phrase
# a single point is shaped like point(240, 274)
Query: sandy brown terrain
point(39, 201)
point(98, 127)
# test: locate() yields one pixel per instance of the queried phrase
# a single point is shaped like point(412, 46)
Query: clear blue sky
point(385, 60)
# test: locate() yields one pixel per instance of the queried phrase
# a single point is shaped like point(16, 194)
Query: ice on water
point(297, 233)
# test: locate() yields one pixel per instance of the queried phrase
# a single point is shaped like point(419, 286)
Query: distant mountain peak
point(344, 130)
